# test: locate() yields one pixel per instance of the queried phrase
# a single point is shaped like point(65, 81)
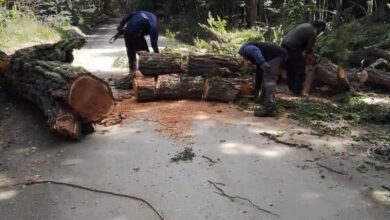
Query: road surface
point(134, 158)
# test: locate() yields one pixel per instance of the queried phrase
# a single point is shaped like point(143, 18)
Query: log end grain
point(67, 125)
point(91, 98)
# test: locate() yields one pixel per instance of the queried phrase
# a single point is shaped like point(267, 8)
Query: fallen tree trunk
point(145, 89)
point(224, 90)
point(67, 95)
point(191, 87)
point(378, 78)
point(213, 65)
point(330, 74)
point(168, 87)
point(154, 64)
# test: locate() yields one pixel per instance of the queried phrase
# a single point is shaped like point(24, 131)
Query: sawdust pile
point(173, 119)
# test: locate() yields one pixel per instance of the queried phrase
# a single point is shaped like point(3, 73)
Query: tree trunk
point(168, 87)
point(4, 62)
point(223, 90)
point(252, 13)
point(330, 74)
point(168, 8)
point(191, 87)
point(65, 94)
point(145, 89)
point(378, 78)
point(261, 11)
point(213, 65)
point(153, 64)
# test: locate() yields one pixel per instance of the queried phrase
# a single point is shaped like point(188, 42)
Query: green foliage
point(216, 25)
point(185, 155)
point(18, 28)
point(120, 62)
point(338, 44)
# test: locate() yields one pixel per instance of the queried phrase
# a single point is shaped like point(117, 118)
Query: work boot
point(262, 112)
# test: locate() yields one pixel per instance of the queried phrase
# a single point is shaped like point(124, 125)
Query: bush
point(18, 28)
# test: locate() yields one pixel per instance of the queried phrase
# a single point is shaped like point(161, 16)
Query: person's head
point(160, 16)
point(319, 25)
point(242, 60)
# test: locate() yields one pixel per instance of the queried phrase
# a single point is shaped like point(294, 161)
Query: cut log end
point(145, 89)
point(91, 98)
point(68, 126)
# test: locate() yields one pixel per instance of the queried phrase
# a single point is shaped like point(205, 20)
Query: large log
point(378, 78)
point(212, 65)
point(191, 87)
point(67, 95)
point(168, 86)
point(224, 90)
point(145, 89)
point(154, 64)
point(330, 74)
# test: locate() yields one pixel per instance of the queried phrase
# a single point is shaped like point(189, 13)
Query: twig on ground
point(330, 169)
point(386, 188)
point(39, 182)
point(209, 159)
point(232, 198)
point(274, 138)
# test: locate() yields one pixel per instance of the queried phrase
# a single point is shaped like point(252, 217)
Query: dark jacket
point(258, 53)
point(301, 38)
point(141, 23)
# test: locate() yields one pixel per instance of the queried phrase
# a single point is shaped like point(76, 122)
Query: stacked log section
point(191, 87)
point(154, 64)
point(168, 87)
point(213, 65)
point(223, 90)
point(145, 89)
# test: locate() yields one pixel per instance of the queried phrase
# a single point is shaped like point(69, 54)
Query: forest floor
point(131, 153)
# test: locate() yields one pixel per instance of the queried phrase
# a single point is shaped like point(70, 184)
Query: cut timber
point(191, 87)
point(145, 89)
point(4, 62)
point(378, 78)
point(168, 87)
point(213, 65)
point(154, 64)
point(67, 95)
point(217, 89)
point(330, 74)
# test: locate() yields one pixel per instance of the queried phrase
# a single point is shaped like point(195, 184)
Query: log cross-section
point(145, 89)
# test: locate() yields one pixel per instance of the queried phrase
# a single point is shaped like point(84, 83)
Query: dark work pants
point(295, 67)
point(267, 80)
point(133, 45)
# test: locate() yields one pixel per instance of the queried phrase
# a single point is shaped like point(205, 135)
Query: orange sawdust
point(174, 119)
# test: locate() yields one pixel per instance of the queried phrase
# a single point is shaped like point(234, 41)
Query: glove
point(311, 59)
point(120, 31)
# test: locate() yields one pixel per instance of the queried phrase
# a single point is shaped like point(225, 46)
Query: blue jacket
point(252, 53)
point(258, 53)
point(140, 23)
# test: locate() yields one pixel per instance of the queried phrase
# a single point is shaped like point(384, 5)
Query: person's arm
point(154, 38)
point(124, 22)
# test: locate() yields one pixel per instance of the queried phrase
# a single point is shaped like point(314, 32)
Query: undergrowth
point(17, 28)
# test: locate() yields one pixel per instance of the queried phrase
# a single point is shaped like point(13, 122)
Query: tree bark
point(67, 95)
point(168, 8)
point(252, 13)
point(378, 78)
point(145, 89)
point(213, 65)
point(191, 87)
point(168, 87)
point(330, 74)
point(153, 64)
point(223, 90)
point(4, 62)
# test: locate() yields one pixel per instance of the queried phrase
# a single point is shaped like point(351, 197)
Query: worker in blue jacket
point(135, 27)
point(267, 58)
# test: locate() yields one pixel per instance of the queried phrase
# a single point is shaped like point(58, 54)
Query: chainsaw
point(114, 38)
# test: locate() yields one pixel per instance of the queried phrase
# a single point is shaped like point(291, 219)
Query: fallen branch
point(232, 198)
point(330, 169)
point(209, 159)
point(274, 138)
point(39, 182)
point(386, 188)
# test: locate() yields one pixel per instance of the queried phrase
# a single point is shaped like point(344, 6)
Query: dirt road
point(134, 158)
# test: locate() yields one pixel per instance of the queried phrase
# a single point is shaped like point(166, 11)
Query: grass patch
point(120, 62)
point(185, 155)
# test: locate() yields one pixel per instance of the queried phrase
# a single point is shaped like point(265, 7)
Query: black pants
point(295, 67)
point(134, 44)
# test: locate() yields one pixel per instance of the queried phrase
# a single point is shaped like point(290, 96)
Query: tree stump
point(224, 90)
point(145, 89)
point(67, 95)
point(154, 64)
point(191, 87)
point(213, 65)
point(168, 87)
